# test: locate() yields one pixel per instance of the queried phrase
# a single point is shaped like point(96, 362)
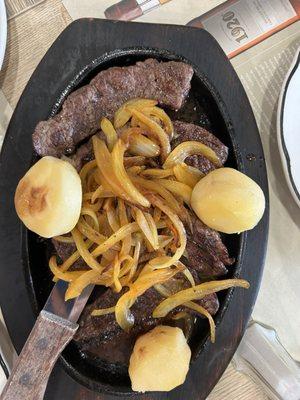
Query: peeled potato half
point(48, 198)
point(228, 201)
point(160, 360)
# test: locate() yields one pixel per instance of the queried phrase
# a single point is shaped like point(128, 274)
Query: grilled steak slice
point(201, 261)
point(210, 240)
point(185, 131)
point(206, 252)
point(104, 331)
point(167, 82)
point(102, 335)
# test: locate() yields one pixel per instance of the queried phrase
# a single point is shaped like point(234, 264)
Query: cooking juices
point(240, 24)
point(127, 10)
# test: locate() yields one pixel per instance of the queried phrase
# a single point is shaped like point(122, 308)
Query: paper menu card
point(174, 12)
point(262, 70)
point(241, 24)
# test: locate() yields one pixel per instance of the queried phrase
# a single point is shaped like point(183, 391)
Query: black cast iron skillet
point(218, 102)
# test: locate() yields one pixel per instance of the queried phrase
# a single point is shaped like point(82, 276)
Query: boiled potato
point(160, 360)
point(48, 197)
point(228, 201)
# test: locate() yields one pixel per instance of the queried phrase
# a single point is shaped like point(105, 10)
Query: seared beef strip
point(206, 252)
point(167, 82)
point(105, 337)
point(201, 261)
point(185, 131)
point(104, 330)
point(210, 239)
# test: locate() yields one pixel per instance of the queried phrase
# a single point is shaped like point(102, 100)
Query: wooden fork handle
point(29, 377)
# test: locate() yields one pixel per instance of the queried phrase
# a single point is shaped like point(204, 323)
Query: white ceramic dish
point(288, 127)
point(3, 31)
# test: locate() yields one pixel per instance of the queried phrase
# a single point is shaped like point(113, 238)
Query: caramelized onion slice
point(196, 293)
point(134, 161)
point(59, 274)
point(101, 193)
point(115, 238)
point(142, 146)
point(136, 256)
point(64, 239)
point(111, 215)
point(156, 129)
point(72, 259)
point(123, 218)
point(78, 285)
point(122, 176)
point(102, 311)
point(157, 188)
point(202, 311)
point(123, 315)
point(110, 133)
point(90, 232)
point(135, 170)
point(187, 273)
point(84, 252)
point(95, 206)
point(106, 171)
point(116, 273)
point(178, 225)
point(164, 240)
point(122, 115)
point(148, 227)
point(157, 173)
point(186, 149)
point(178, 188)
point(153, 229)
point(127, 262)
point(91, 213)
point(186, 174)
point(162, 116)
point(86, 169)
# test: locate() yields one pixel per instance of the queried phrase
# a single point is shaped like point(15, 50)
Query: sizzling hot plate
point(218, 102)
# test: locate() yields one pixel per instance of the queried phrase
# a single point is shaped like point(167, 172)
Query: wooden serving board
point(82, 42)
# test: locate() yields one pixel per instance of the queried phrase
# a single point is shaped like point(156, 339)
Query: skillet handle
point(30, 375)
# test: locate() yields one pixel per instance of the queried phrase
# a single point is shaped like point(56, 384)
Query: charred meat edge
point(84, 108)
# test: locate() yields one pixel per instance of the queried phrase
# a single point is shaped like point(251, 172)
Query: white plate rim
point(3, 31)
point(284, 153)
